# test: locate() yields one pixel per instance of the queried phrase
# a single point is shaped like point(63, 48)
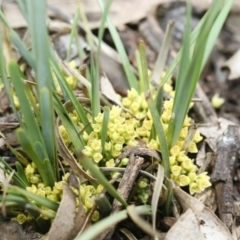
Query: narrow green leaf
point(41, 200)
point(161, 136)
point(73, 32)
point(144, 67)
point(76, 104)
point(119, 45)
point(21, 173)
point(25, 106)
point(156, 194)
point(104, 127)
point(48, 128)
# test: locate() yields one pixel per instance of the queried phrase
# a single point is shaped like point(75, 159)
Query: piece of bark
point(125, 186)
point(204, 109)
point(222, 176)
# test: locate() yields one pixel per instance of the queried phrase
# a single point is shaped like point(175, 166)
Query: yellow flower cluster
point(127, 125)
point(55, 193)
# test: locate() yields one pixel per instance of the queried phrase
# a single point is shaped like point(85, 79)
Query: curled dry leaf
point(208, 223)
point(64, 224)
point(233, 65)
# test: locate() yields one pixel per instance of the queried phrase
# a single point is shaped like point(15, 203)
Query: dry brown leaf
point(108, 91)
point(64, 221)
point(134, 10)
point(187, 227)
point(213, 132)
point(210, 226)
point(233, 64)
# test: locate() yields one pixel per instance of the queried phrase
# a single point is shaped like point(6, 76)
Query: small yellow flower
point(110, 163)
point(21, 218)
point(126, 102)
point(99, 118)
point(194, 188)
point(32, 189)
point(183, 133)
point(197, 137)
point(95, 216)
point(176, 170)
point(100, 188)
point(175, 151)
point(172, 160)
point(96, 145)
point(153, 144)
point(97, 127)
point(193, 148)
point(97, 157)
point(184, 180)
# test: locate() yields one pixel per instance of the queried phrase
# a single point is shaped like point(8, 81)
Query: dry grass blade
point(144, 225)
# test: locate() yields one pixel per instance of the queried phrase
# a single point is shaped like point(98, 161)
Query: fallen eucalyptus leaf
point(210, 225)
point(187, 227)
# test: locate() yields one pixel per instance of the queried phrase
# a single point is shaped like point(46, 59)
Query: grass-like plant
point(39, 109)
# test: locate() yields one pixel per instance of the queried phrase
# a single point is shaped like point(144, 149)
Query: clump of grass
point(162, 125)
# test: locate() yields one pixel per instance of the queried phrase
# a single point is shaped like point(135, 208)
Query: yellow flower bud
point(21, 218)
point(53, 197)
point(85, 136)
point(197, 137)
point(117, 147)
point(97, 127)
point(41, 192)
point(184, 180)
point(176, 170)
point(175, 151)
point(187, 164)
point(96, 145)
point(88, 202)
point(34, 179)
point(32, 189)
point(126, 102)
point(108, 146)
point(124, 162)
point(153, 144)
point(115, 153)
point(99, 118)
point(100, 188)
point(182, 157)
point(184, 133)
point(166, 116)
point(194, 188)
point(97, 157)
point(87, 151)
point(132, 94)
point(147, 124)
point(193, 148)
point(172, 160)
point(95, 216)
point(192, 176)
point(110, 163)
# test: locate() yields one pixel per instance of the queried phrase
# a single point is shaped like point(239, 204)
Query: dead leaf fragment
point(210, 225)
point(233, 64)
point(187, 227)
point(64, 220)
